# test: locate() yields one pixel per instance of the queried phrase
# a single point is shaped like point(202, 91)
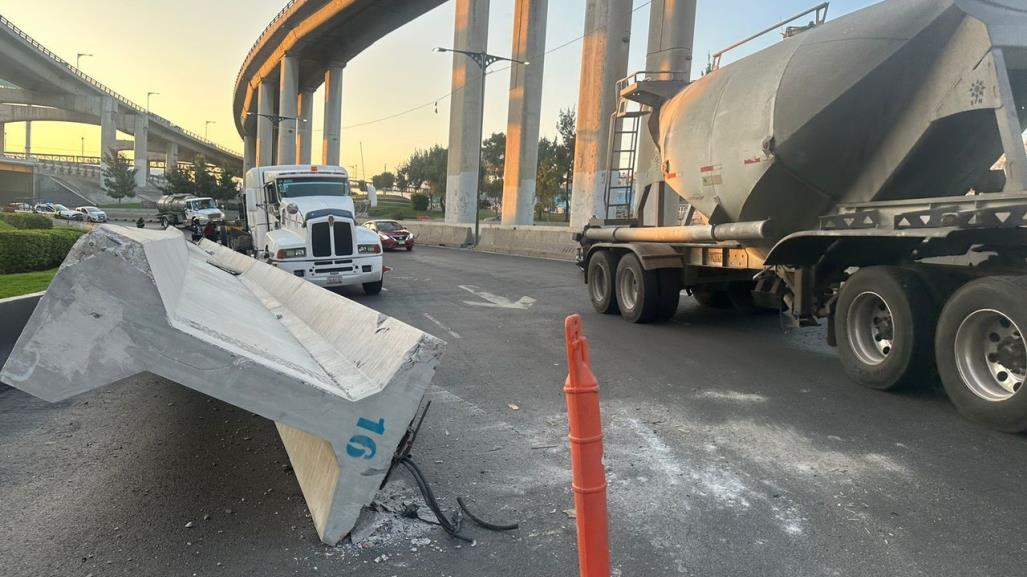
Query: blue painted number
point(362, 446)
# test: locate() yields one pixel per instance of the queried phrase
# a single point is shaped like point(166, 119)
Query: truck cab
point(302, 220)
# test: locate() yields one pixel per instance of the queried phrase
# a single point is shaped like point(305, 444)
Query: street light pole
point(148, 95)
point(206, 125)
point(83, 146)
point(78, 59)
point(483, 60)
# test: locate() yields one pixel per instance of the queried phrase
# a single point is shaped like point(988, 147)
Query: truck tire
point(638, 294)
point(601, 272)
point(164, 222)
point(670, 293)
point(884, 327)
point(372, 288)
point(981, 352)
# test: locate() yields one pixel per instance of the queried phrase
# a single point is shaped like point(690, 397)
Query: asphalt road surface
point(734, 446)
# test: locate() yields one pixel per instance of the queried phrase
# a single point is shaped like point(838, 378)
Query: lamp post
point(148, 95)
point(483, 60)
point(83, 146)
point(78, 59)
point(206, 125)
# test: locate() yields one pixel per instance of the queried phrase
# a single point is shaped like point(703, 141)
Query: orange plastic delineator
point(586, 436)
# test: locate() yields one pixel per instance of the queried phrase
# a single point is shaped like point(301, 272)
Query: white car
point(59, 211)
point(92, 214)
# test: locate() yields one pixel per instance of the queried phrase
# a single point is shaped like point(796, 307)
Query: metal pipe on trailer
point(736, 231)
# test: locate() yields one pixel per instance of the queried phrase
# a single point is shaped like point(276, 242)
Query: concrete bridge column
point(265, 128)
point(331, 152)
point(171, 162)
point(521, 168)
point(465, 111)
point(288, 93)
point(671, 28)
point(3, 138)
point(108, 131)
point(249, 149)
point(141, 161)
point(604, 61)
point(28, 139)
point(305, 128)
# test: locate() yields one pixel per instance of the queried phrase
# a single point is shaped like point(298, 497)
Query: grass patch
point(13, 285)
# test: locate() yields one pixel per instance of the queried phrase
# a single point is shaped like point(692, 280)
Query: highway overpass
point(37, 85)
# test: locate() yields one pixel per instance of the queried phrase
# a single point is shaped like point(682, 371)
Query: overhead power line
point(435, 101)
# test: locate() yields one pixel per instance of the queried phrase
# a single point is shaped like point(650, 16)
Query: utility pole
point(206, 125)
point(148, 95)
point(483, 60)
point(78, 59)
point(363, 175)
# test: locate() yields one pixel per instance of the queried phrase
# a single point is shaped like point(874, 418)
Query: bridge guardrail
point(98, 86)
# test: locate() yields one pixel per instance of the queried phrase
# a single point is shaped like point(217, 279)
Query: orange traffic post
point(586, 436)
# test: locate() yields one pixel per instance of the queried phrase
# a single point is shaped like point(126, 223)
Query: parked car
point(392, 234)
point(44, 208)
point(92, 214)
point(19, 207)
point(61, 211)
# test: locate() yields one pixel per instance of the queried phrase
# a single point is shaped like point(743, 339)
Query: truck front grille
point(343, 239)
point(320, 239)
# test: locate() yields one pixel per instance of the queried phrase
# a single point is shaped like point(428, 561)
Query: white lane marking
point(496, 301)
point(451, 332)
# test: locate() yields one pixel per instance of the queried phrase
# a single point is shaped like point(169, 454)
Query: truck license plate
point(334, 278)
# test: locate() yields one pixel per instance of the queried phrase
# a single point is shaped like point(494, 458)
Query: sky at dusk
point(190, 52)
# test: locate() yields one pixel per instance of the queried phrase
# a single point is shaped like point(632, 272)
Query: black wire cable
point(484, 524)
point(450, 526)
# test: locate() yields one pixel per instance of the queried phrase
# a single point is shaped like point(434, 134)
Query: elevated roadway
point(37, 85)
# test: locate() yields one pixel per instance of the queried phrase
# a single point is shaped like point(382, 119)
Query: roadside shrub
point(5, 226)
point(420, 200)
point(26, 221)
point(29, 250)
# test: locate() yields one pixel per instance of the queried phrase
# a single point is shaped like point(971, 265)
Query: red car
point(392, 234)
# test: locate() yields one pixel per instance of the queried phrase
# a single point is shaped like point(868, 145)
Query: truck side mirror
point(372, 196)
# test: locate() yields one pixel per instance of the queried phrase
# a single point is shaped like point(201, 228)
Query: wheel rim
point(871, 328)
point(991, 355)
point(600, 284)
point(628, 294)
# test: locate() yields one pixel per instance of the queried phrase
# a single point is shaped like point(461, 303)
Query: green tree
point(204, 179)
point(383, 181)
point(566, 126)
point(178, 181)
point(427, 167)
point(226, 184)
point(493, 158)
point(119, 178)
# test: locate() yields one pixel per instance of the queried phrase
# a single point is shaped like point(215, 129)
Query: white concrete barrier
point(544, 241)
point(440, 233)
point(341, 381)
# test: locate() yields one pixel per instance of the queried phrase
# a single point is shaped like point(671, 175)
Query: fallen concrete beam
point(341, 381)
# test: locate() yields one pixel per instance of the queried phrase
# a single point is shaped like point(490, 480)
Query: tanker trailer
point(845, 175)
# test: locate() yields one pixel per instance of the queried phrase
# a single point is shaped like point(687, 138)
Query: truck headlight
point(291, 253)
point(369, 248)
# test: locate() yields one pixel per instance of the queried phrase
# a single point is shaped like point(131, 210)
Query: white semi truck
point(301, 219)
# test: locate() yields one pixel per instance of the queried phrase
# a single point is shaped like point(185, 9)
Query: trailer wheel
point(164, 222)
point(601, 272)
point(981, 352)
point(884, 325)
point(637, 290)
point(670, 293)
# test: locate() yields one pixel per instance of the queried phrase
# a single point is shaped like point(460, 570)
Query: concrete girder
point(18, 113)
point(341, 381)
point(73, 102)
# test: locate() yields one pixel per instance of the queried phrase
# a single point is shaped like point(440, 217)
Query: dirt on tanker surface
point(718, 463)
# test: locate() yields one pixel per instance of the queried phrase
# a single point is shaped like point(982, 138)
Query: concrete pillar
point(604, 61)
point(108, 131)
point(305, 129)
point(522, 127)
point(249, 149)
point(3, 138)
point(331, 150)
point(28, 139)
point(288, 92)
point(671, 28)
point(142, 155)
point(265, 129)
point(171, 163)
point(465, 112)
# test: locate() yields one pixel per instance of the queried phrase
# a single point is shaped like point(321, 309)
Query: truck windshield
point(297, 187)
point(203, 204)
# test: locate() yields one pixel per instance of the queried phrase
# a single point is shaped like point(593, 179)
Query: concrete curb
point(16, 312)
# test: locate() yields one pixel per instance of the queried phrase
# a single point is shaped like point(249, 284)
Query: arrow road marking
point(496, 301)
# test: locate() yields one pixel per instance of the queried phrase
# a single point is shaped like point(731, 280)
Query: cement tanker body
point(847, 174)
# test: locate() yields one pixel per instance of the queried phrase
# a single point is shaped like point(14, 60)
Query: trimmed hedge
point(29, 250)
point(26, 220)
point(5, 226)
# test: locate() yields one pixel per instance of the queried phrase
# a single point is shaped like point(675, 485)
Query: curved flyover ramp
point(341, 381)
